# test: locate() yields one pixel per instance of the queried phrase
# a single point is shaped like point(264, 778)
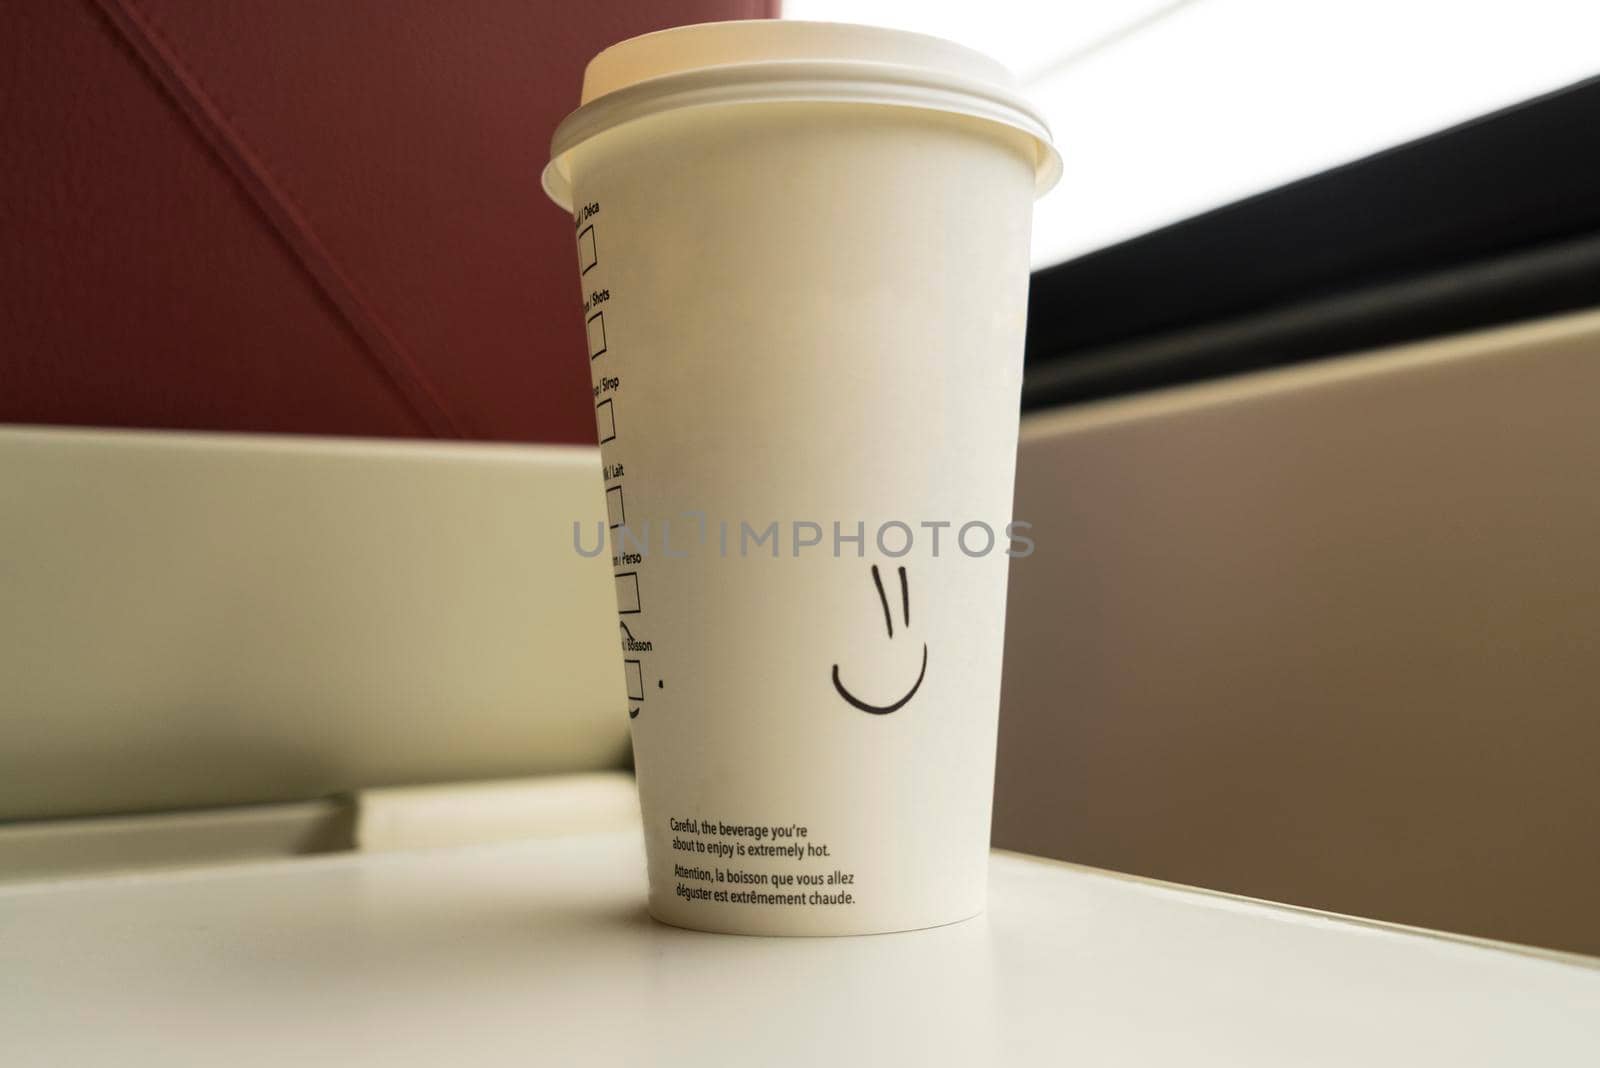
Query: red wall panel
point(296, 216)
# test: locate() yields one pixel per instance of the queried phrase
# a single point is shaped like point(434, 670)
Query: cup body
point(806, 329)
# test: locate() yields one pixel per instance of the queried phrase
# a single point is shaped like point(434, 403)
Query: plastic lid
point(769, 60)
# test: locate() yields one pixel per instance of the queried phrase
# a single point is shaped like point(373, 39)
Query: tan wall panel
point(1328, 635)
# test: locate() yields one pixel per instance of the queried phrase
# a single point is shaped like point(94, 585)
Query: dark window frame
point(1491, 221)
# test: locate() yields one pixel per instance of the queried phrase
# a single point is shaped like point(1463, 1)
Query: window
point(1163, 109)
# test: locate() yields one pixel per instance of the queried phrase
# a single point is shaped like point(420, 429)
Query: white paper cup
point(804, 257)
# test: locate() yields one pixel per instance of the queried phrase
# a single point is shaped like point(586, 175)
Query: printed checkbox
point(615, 516)
point(628, 593)
point(635, 679)
point(605, 418)
point(597, 334)
point(588, 254)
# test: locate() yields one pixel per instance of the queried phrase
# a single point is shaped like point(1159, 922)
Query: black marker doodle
point(888, 620)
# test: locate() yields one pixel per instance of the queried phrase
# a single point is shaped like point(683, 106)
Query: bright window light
point(1164, 109)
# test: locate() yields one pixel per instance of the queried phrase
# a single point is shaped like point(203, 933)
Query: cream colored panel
point(74, 848)
point(395, 818)
point(191, 620)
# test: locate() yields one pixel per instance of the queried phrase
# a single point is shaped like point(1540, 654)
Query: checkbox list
point(628, 594)
point(605, 418)
point(588, 253)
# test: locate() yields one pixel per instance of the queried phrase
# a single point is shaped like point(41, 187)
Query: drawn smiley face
point(888, 621)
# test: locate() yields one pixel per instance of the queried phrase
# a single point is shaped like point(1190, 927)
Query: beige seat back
point(1328, 635)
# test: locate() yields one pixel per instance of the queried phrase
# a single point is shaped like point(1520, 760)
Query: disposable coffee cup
point(803, 250)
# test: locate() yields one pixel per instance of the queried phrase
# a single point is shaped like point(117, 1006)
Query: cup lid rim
point(771, 60)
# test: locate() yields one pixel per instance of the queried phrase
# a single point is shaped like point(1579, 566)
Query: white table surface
point(540, 953)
